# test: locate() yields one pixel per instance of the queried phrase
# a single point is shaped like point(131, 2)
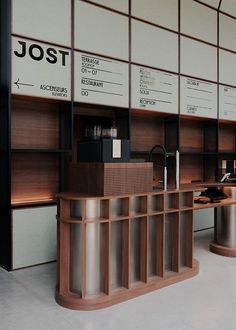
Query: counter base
point(222, 250)
point(74, 301)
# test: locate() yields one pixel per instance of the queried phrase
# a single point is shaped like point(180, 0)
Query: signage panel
point(227, 103)
point(101, 80)
point(154, 90)
point(198, 98)
point(40, 69)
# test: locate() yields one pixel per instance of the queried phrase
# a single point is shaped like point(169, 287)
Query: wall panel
point(162, 12)
point(121, 5)
point(43, 20)
point(100, 31)
point(227, 35)
point(154, 46)
point(198, 21)
point(227, 67)
point(198, 59)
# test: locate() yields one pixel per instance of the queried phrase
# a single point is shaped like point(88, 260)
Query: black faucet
point(159, 146)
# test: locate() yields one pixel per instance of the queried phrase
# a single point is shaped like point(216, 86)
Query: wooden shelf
point(34, 178)
point(198, 135)
point(27, 150)
point(37, 148)
point(30, 203)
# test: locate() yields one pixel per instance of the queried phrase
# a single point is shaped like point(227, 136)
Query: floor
point(205, 302)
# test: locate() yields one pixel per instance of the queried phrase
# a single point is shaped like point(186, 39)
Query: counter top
point(198, 187)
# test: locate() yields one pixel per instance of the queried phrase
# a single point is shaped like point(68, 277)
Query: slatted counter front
point(118, 247)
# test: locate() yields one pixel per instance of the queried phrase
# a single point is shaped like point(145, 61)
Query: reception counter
point(115, 248)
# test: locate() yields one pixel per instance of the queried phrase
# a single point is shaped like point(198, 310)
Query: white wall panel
point(229, 7)
point(161, 12)
point(34, 236)
point(227, 67)
point(203, 219)
point(100, 31)
point(154, 90)
point(43, 20)
point(121, 5)
point(213, 3)
point(198, 21)
point(198, 59)
point(154, 46)
point(198, 98)
point(101, 80)
point(227, 103)
point(227, 32)
point(40, 69)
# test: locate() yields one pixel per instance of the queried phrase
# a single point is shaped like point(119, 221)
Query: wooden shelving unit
point(140, 243)
point(40, 137)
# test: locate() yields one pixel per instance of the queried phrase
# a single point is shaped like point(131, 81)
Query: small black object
point(214, 194)
point(201, 201)
point(101, 151)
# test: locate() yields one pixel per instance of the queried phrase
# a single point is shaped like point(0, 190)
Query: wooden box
point(103, 179)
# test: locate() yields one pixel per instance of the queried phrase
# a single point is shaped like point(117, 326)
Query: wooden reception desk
point(115, 248)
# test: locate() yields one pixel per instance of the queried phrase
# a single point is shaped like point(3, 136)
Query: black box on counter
point(228, 166)
point(104, 151)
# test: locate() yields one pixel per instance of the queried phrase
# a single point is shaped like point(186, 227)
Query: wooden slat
point(143, 249)
point(189, 240)
point(175, 242)
point(64, 258)
point(126, 253)
point(106, 248)
point(160, 246)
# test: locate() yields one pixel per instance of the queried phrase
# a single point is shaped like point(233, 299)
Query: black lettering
point(22, 54)
point(51, 57)
point(34, 57)
point(64, 54)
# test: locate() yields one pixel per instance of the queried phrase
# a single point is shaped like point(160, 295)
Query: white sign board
point(227, 103)
point(40, 69)
point(198, 98)
point(101, 80)
point(154, 90)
